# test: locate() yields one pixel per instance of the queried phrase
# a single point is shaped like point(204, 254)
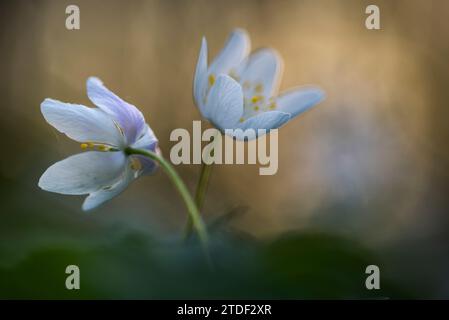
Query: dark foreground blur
point(363, 177)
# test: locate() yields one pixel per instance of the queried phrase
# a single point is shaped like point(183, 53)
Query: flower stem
point(203, 183)
point(200, 194)
point(194, 215)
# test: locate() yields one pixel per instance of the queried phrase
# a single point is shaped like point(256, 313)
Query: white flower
point(108, 130)
point(240, 91)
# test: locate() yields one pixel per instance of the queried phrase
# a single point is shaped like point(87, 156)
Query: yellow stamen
point(86, 145)
point(256, 99)
point(256, 108)
point(211, 80)
point(102, 147)
point(242, 119)
point(272, 106)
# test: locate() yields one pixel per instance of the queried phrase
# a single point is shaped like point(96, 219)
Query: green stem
point(194, 215)
point(201, 188)
point(200, 194)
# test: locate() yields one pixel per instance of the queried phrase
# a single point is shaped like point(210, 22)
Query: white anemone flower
point(106, 131)
point(240, 91)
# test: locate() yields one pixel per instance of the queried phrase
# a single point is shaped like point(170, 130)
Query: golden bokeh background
point(370, 162)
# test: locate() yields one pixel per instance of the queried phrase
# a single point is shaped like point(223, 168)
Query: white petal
point(81, 123)
point(267, 120)
point(225, 102)
point(128, 116)
point(261, 73)
point(235, 50)
point(147, 141)
point(84, 172)
point(101, 196)
point(200, 80)
point(298, 100)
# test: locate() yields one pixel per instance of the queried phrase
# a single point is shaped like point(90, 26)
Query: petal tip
point(86, 207)
point(319, 96)
point(41, 183)
point(48, 102)
point(45, 181)
point(94, 80)
point(240, 31)
point(45, 105)
point(243, 34)
point(320, 93)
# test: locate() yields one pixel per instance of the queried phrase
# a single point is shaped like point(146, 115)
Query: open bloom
point(239, 90)
point(106, 131)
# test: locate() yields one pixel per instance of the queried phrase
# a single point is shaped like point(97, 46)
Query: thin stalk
point(201, 188)
point(200, 194)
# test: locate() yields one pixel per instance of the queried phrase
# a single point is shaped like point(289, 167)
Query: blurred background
point(363, 177)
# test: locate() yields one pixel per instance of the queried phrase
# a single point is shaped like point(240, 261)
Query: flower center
point(254, 100)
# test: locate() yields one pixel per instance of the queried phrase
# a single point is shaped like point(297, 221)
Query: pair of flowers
point(237, 90)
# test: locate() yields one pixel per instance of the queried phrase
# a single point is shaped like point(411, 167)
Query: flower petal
point(225, 102)
point(232, 54)
point(298, 100)
point(84, 172)
point(200, 79)
point(128, 116)
point(101, 196)
point(147, 142)
point(266, 120)
point(81, 123)
point(261, 72)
